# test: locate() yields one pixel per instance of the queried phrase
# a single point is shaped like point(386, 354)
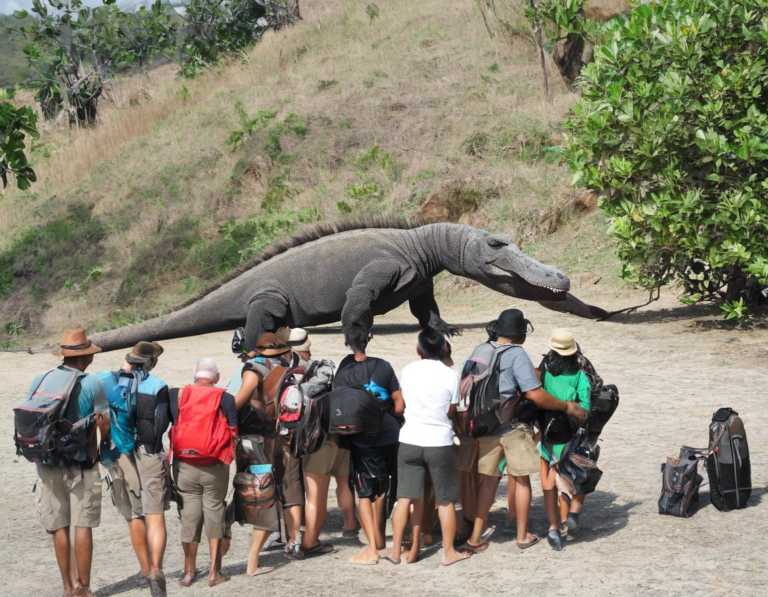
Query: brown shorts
point(466, 454)
point(517, 447)
point(288, 475)
point(155, 477)
point(328, 460)
point(126, 488)
point(67, 496)
point(203, 490)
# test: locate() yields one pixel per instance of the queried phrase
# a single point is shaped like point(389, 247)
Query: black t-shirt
point(227, 406)
point(379, 371)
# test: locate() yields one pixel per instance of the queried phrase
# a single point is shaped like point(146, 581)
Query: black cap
point(512, 324)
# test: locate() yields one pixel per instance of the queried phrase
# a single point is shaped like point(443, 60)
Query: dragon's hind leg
point(424, 308)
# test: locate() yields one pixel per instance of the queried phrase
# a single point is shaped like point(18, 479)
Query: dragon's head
point(495, 261)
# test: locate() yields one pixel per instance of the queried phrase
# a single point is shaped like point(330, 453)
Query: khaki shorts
point(67, 496)
point(203, 490)
point(328, 460)
point(466, 454)
point(517, 447)
point(155, 477)
point(288, 475)
point(126, 488)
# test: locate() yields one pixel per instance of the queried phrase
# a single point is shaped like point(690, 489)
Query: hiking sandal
point(555, 539)
point(320, 549)
point(534, 540)
point(480, 547)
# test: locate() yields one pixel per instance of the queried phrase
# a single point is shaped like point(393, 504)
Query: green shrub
point(673, 126)
point(250, 125)
point(16, 124)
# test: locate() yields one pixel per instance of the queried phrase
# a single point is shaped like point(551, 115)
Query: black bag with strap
point(728, 468)
point(680, 482)
point(355, 409)
point(312, 430)
point(47, 426)
point(577, 467)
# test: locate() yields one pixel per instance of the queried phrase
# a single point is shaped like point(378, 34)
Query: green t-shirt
point(568, 388)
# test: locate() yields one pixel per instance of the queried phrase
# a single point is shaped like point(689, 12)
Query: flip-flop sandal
point(466, 554)
point(535, 539)
point(488, 532)
point(263, 570)
point(320, 549)
point(467, 546)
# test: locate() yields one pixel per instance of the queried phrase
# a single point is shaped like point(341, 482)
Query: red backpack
point(202, 436)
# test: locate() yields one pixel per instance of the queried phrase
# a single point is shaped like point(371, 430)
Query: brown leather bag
point(255, 492)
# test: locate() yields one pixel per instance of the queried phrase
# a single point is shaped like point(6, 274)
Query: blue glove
point(377, 390)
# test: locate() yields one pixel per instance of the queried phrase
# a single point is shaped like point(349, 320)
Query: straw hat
point(269, 345)
point(563, 343)
point(75, 343)
point(299, 340)
point(144, 353)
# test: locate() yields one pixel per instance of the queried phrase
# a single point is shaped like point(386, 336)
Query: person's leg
point(316, 510)
point(577, 503)
point(565, 506)
point(417, 518)
point(523, 497)
point(84, 555)
point(190, 562)
point(368, 521)
point(447, 514)
point(157, 535)
point(63, 552)
point(380, 519)
point(293, 522)
point(429, 511)
point(399, 521)
point(138, 531)
point(258, 539)
point(550, 504)
point(486, 495)
point(511, 487)
point(215, 482)
point(346, 502)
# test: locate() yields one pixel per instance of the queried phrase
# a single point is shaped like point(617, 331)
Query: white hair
point(206, 368)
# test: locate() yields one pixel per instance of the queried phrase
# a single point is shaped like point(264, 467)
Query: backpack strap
point(75, 376)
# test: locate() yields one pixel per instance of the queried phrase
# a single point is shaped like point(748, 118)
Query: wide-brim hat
point(144, 353)
point(75, 343)
point(563, 343)
point(269, 345)
point(512, 324)
point(299, 340)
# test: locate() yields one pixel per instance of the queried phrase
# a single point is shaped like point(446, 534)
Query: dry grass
point(417, 82)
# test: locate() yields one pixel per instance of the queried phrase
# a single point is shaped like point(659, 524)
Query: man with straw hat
point(69, 494)
point(140, 479)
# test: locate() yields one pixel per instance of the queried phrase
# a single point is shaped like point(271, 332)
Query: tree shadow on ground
point(389, 329)
point(702, 317)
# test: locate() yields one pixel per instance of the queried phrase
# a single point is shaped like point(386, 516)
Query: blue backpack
point(121, 388)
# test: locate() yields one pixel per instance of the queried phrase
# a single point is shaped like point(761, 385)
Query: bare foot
point(455, 556)
point(187, 579)
point(388, 554)
point(217, 578)
point(365, 558)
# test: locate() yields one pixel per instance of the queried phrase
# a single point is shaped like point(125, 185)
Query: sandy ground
point(674, 365)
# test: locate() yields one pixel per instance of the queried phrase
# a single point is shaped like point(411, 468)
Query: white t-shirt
point(429, 388)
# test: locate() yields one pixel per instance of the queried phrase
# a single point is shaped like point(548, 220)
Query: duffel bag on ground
point(680, 480)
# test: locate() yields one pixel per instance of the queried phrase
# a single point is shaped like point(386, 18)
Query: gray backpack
point(680, 482)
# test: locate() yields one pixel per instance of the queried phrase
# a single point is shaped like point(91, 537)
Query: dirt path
point(674, 366)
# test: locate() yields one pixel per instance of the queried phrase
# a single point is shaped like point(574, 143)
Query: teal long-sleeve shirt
point(568, 388)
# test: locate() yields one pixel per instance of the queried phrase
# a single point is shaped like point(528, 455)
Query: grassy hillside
point(338, 115)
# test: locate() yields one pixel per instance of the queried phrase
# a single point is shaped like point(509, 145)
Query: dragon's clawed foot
point(443, 327)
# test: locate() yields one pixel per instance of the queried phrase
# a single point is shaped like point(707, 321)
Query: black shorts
point(371, 469)
point(413, 462)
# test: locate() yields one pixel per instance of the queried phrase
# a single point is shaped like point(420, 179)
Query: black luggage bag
point(730, 478)
point(680, 482)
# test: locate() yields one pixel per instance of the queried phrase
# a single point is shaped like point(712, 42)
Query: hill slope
point(347, 115)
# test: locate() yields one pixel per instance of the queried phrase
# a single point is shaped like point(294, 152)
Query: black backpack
point(354, 409)
point(577, 467)
point(604, 404)
point(730, 478)
point(480, 389)
point(47, 425)
point(680, 482)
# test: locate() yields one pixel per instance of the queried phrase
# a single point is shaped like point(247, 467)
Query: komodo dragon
point(350, 271)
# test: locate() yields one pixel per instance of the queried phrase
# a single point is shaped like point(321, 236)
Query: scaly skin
point(355, 275)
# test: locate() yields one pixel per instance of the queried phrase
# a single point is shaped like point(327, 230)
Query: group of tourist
point(423, 459)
